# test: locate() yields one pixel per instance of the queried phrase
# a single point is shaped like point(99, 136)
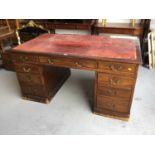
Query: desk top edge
point(137, 61)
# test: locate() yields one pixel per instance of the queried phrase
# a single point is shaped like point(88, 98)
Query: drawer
point(115, 81)
point(25, 68)
point(31, 79)
point(24, 58)
point(33, 90)
point(68, 62)
point(86, 64)
point(111, 67)
point(117, 105)
point(114, 92)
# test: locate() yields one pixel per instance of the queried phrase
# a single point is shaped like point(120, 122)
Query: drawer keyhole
point(29, 78)
point(115, 67)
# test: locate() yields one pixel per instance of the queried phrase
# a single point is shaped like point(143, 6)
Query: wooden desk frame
point(41, 75)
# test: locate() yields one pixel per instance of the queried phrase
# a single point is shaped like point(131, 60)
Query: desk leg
point(41, 86)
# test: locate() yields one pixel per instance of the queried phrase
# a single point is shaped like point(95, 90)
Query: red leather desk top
point(81, 45)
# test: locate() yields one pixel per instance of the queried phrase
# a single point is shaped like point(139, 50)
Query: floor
point(70, 111)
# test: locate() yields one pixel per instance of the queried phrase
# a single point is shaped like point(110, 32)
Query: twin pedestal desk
point(43, 64)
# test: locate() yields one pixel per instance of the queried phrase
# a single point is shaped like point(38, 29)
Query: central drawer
point(68, 62)
point(54, 61)
point(115, 81)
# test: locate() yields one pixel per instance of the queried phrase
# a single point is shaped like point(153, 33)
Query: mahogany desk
point(42, 65)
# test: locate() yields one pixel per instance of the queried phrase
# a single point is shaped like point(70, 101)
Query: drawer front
point(111, 67)
point(86, 64)
point(31, 79)
point(68, 62)
point(114, 92)
point(115, 81)
point(24, 58)
point(111, 104)
point(25, 68)
point(33, 90)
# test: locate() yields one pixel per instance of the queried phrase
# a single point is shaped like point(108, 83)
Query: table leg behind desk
point(41, 86)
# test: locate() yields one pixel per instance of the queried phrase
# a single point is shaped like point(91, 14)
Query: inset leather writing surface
point(79, 45)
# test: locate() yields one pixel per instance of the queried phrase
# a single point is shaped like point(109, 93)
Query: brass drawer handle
point(50, 61)
point(78, 64)
point(26, 69)
point(29, 79)
point(24, 58)
point(113, 106)
point(115, 67)
point(114, 81)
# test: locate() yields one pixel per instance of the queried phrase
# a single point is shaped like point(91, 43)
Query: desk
point(43, 64)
